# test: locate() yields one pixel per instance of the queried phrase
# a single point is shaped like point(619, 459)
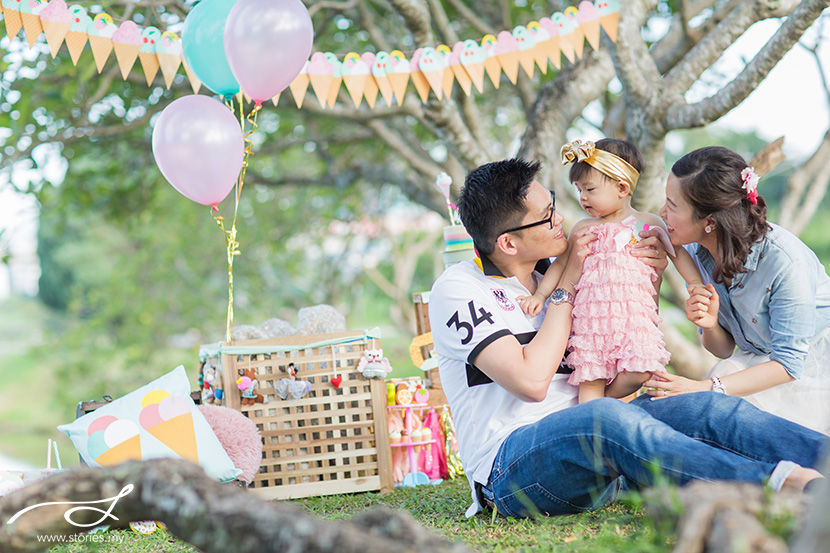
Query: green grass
point(619, 527)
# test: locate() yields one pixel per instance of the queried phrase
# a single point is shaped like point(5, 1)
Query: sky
point(791, 102)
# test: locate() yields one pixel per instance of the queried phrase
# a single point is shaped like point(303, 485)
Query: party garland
point(365, 77)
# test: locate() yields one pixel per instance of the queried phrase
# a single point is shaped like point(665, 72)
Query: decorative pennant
point(419, 80)
point(432, 66)
point(299, 86)
point(355, 74)
point(398, 70)
point(100, 38)
point(169, 54)
point(321, 74)
point(150, 38)
point(459, 70)
point(526, 44)
point(588, 17)
point(11, 15)
point(379, 72)
point(564, 28)
point(126, 41)
point(55, 20)
point(276, 99)
point(194, 81)
point(337, 79)
point(76, 38)
point(447, 75)
point(491, 64)
point(609, 17)
point(30, 13)
point(577, 36)
point(370, 91)
point(540, 39)
point(472, 58)
point(507, 52)
point(551, 46)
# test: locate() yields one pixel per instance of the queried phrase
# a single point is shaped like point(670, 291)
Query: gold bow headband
point(605, 162)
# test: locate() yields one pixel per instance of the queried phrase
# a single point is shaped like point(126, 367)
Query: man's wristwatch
point(561, 295)
point(717, 385)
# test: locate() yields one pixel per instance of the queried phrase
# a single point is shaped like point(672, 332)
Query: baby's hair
point(621, 148)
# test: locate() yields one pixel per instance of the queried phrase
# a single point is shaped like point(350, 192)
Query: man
point(525, 443)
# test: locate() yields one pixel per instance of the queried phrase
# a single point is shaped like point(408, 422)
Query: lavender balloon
point(267, 42)
point(198, 145)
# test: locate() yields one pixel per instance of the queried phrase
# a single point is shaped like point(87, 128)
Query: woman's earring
point(708, 229)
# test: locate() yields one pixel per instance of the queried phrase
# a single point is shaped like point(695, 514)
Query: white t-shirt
point(470, 306)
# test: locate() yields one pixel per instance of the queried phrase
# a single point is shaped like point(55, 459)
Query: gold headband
point(605, 162)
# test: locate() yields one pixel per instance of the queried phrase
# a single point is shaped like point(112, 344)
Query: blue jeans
point(578, 459)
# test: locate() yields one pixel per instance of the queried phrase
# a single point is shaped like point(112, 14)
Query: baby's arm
point(532, 305)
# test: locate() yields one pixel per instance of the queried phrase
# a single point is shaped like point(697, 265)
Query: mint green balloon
point(203, 46)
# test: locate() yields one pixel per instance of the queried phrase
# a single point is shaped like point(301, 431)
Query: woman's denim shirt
point(779, 304)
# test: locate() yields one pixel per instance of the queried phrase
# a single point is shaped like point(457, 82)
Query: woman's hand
point(651, 251)
point(702, 306)
point(662, 385)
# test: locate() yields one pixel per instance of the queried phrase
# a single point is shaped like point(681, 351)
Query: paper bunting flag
point(337, 79)
point(76, 38)
point(320, 73)
point(398, 71)
point(150, 38)
point(526, 43)
point(458, 69)
point(169, 55)
point(609, 17)
point(100, 38)
point(299, 86)
point(370, 91)
point(576, 36)
point(194, 81)
point(447, 76)
point(419, 80)
point(11, 15)
point(126, 41)
point(491, 64)
point(472, 57)
point(355, 74)
point(379, 72)
point(588, 17)
point(276, 99)
point(55, 20)
point(365, 76)
point(30, 13)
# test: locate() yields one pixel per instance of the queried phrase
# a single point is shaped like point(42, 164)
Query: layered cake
point(458, 245)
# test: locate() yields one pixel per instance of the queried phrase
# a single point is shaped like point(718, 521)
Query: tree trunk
point(214, 517)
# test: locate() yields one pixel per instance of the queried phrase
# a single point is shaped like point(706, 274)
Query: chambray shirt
point(779, 304)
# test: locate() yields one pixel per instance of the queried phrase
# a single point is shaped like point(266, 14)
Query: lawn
point(620, 527)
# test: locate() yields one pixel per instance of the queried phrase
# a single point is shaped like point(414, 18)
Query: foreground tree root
point(721, 517)
point(214, 517)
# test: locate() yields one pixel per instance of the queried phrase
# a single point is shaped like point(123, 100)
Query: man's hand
point(651, 251)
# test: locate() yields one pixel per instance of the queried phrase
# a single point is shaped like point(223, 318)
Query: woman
point(765, 292)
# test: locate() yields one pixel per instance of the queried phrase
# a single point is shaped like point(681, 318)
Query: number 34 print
point(461, 322)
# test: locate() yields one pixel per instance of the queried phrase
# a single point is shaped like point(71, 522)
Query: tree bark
point(216, 518)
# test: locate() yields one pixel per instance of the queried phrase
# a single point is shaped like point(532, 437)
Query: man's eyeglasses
point(548, 220)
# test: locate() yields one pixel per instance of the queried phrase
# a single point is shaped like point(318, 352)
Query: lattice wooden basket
point(331, 440)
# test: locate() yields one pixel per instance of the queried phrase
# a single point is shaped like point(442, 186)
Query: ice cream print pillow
point(157, 420)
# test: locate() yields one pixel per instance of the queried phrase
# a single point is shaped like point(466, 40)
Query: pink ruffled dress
point(615, 316)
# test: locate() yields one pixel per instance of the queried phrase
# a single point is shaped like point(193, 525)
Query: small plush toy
point(248, 385)
point(291, 387)
point(373, 364)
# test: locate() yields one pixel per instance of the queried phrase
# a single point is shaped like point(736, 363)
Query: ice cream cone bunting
point(299, 87)
point(493, 69)
point(276, 99)
point(509, 62)
point(334, 90)
point(75, 43)
point(591, 30)
point(32, 27)
point(355, 84)
point(463, 78)
point(421, 85)
point(527, 61)
point(577, 39)
point(320, 84)
point(101, 48)
point(398, 82)
point(55, 32)
point(194, 81)
point(370, 92)
point(169, 65)
point(447, 80)
point(150, 65)
point(126, 55)
point(13, 22)
point(609, 24)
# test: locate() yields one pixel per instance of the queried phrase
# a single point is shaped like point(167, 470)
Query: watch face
point(559, 295)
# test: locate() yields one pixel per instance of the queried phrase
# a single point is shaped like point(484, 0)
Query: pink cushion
point(239, 436)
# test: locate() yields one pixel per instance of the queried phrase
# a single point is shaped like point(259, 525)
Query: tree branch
point(635, 67)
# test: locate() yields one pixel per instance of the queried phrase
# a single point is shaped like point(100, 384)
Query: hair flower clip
point(750, 178)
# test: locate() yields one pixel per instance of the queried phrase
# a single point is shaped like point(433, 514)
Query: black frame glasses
point(549, 220)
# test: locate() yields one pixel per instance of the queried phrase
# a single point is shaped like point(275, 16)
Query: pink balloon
point(198, 145)
point(267, 42)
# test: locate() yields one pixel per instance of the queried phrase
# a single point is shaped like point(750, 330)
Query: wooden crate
point(420, 300)
point(331, 440)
